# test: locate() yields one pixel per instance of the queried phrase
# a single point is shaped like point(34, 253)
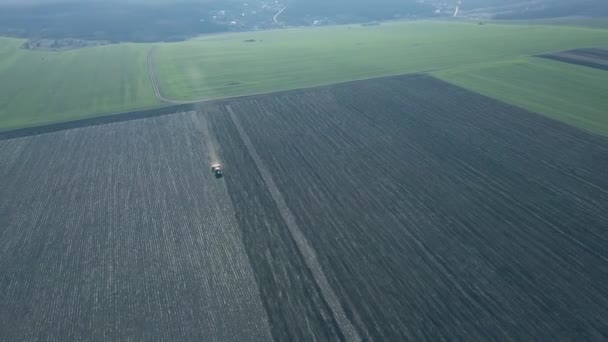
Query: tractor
point(217, 170)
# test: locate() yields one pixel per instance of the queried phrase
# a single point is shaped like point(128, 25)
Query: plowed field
point(435, 213)
point(393, 209)
point(120, 232)
point(593, 58)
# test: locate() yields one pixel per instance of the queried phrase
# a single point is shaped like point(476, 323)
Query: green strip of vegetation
point(573, 94)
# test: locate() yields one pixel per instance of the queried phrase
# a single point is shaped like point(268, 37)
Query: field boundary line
point(310, 257)
point(166, 104)
point(102, 119)
point(169, 107)
point(303, 88)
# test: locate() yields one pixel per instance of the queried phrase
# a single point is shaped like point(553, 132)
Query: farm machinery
point(217, 170)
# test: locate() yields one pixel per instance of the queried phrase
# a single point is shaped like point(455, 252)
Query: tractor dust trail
point(310, 257)
point(156, 86)
point(201, 124)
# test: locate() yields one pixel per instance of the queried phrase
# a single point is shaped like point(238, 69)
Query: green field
point(43, 87)
point(226, 65)
point(574, 94)
point(39, 87)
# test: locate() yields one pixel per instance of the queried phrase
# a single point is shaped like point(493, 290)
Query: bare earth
point(594, 58)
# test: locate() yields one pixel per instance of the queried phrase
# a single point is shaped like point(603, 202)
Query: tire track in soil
point(308, 253)
point(153, 78)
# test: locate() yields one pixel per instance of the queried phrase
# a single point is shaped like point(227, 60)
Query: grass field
point(571, 93)
point(226, 65)
point(44, 87)
point(39, 87)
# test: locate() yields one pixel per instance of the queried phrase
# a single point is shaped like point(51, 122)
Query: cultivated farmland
point(435, 213)
point(593, 58)
point(401, 208)
point(120, 232)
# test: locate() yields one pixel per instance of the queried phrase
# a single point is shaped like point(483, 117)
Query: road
point(278, 14)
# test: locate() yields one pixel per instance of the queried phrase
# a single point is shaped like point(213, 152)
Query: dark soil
point(434, 212)
point(593, 58)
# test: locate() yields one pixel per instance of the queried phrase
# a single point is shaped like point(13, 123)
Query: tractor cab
point(217, 170)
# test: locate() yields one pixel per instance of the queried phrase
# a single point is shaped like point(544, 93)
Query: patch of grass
point(223, 65)
point(39, 87)
point(570, 93)
point(8, 52)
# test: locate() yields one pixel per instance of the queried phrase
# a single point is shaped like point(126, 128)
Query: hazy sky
point(84, 1)
point(470, 2)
